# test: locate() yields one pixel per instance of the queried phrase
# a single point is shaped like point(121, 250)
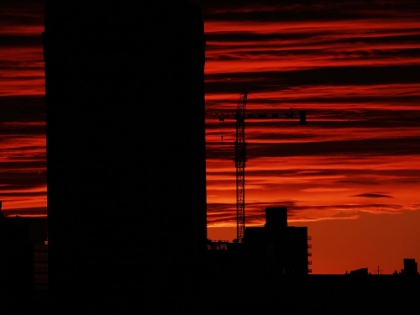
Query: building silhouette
point(360, 272)
point(126, 176)
point(125, 144)
point(410, 267)
point(274, 249)
point(277, 245)
point(22, 239)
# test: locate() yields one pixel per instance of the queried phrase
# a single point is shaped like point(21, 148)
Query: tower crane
point(240, 160)
point(240, 155)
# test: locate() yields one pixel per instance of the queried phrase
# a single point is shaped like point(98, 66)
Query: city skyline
point(351, 173)
point(354, 166)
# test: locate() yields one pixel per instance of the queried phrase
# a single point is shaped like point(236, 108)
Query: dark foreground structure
point(23, 254)
point(126, 176)
point(125, 145)
point(272, 250)
point(278, 246)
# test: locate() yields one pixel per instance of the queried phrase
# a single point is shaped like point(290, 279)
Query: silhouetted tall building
point(125, 143)
point(20, 239)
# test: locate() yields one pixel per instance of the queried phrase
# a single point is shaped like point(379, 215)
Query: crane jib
point(240, 116)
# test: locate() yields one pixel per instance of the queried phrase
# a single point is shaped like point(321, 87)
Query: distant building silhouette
point(275, 248)
point(281, 246)
point(360, 272)
point(410, 267)
point(217, 245)
point(125, 144)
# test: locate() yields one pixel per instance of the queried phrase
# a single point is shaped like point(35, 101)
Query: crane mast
point(240, 159)
point(240, 154)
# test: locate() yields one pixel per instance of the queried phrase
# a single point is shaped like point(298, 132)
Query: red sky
point(351, 174)
point(22, 109)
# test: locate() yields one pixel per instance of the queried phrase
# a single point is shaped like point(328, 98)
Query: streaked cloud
point(373, 195)
point(23, 155)
point(353, 68)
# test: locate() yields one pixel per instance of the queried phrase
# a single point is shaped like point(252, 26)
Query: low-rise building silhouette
point(410, 267)
point(278, 245)
point(275, 248)
point(359, 272)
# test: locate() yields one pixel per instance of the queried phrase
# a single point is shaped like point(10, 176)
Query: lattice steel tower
point(240, 160)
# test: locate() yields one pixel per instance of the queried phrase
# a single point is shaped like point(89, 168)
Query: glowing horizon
point(353, 69)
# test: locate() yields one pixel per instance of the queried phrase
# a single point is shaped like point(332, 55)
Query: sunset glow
point(351, 174)
point(355, 160)
point(22, 89)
